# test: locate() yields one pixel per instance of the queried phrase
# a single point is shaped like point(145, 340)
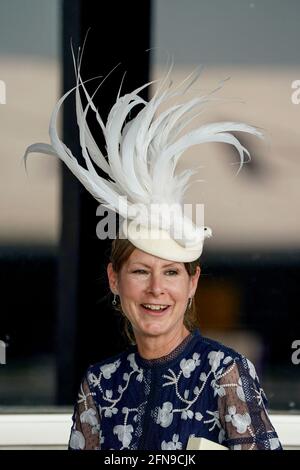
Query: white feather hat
point(140, 162)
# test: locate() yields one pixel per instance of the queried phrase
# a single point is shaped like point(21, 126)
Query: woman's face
point(146, 281)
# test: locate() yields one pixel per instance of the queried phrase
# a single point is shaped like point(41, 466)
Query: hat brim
point(159, 243)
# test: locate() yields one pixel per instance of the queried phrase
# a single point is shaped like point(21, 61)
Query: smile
point(155, 308)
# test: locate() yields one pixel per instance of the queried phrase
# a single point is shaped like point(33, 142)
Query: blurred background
point(55, 313)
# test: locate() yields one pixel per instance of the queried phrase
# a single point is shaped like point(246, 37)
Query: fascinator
point(141, 159)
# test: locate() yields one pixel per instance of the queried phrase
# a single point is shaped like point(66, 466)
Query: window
point(247, 296)
point(29, 203)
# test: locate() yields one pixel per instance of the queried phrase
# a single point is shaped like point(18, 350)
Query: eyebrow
point(147, 266)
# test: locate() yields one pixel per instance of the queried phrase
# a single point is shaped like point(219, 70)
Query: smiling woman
point(172, 384)
point(157, 296)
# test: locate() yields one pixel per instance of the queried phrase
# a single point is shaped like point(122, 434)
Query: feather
point(142, 153)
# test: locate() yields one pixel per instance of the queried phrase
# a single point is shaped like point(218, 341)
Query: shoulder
point(223, 358)
point(212, 349)
point(109, 366)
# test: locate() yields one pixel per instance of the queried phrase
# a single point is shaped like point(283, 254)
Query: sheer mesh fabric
point(242, 409)
point(231, 410)
point(168, 357)
point(85, 433)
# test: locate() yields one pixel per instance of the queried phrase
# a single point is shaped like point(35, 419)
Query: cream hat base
point(159, 243)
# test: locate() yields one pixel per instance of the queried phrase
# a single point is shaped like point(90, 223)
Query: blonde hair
point(121, 250)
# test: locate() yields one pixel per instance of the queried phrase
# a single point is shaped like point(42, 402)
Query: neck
point(153, 347)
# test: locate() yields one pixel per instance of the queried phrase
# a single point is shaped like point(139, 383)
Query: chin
point(155, 330)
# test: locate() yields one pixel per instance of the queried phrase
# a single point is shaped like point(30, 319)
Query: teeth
point(154, 307)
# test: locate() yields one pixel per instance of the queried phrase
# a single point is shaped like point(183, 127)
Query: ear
point(112, 279)
point(194, 281)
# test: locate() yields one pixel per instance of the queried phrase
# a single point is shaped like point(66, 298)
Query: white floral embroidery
point(215, 358)
point(237, 447)
point(240, 422)
point(260, 396)
point(215, 420)
point(240, 390)
point(109, 369)
point(221, 436)
point(134, 366)
point(203, 377)
point(96, 429)
point(89, 416)
point(187, 414)
point(274, 443)
point(218, 389)
point(227, 360)
point(187, 383)
point(77, 440)
point(188, 366)
point(93, 380)
point(132, 361)
point(198, 416)
point(108, 395)
point(165, 414)
point(124, 433)
point(175, 444)
point(139, 377)
point(110, 411)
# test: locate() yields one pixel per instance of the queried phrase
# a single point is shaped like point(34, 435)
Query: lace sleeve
point(242, 409)
point(85, 432)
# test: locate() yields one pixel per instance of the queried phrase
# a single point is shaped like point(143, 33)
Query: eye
point(173, 272)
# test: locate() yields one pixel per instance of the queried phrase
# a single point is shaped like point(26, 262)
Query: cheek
point(180, 290)
point(132, 289)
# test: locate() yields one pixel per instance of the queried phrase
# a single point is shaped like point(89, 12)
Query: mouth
point(156, 309)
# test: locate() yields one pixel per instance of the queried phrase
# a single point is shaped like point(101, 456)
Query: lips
point(156, 313)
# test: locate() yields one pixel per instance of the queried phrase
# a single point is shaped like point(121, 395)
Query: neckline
point(171, 356)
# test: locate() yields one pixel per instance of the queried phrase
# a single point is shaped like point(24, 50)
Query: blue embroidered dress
point(201, 389)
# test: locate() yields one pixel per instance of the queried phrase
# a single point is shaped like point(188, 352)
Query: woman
point(173, 384)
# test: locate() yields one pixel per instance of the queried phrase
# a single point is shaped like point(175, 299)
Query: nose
point(156, 285)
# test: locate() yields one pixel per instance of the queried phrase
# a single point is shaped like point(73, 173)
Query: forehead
point(140, 257)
